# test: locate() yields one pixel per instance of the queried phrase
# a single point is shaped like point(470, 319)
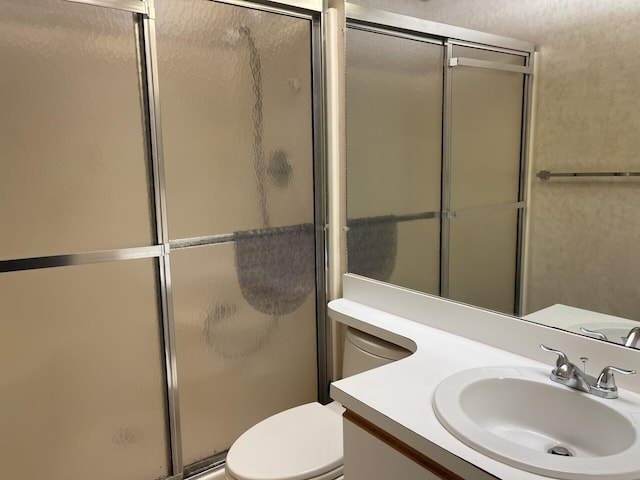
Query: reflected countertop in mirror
point(586, 322)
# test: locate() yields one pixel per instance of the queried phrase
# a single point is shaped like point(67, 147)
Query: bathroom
point(122, 347)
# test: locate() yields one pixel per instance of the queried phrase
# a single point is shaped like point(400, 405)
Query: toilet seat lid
point(297, 444)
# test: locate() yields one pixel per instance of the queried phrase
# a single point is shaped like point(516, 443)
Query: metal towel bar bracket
point(547, 174)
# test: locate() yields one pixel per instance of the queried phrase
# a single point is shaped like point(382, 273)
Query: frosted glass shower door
point(70, 128)
point(81, 385)
point(394, 118)
point(236, 95)
point(82, 379)
point(486, 138)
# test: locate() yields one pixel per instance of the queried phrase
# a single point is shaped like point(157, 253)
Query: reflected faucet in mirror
point(596, 325)
point(631, 339)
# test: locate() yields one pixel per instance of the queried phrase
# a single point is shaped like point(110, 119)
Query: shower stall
point(436, 147)
point(162, 210)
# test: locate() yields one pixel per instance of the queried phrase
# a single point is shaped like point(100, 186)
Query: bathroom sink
point(518, 416)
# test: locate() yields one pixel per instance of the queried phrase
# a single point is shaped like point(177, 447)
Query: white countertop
point(397, 397)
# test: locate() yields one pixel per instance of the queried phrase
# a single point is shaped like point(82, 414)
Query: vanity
point(393, 427)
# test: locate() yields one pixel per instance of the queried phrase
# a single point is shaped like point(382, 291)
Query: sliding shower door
point(486, 118)
point(161, 281)
point(82, 384)
point(237, 109)
point(394, 146)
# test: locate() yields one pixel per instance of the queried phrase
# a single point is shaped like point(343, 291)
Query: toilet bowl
point(305, 442)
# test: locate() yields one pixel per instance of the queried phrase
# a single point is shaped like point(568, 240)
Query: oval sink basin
point(520, 417)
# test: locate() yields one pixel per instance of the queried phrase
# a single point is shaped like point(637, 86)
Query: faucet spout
point(570, 375)
point(633, 338)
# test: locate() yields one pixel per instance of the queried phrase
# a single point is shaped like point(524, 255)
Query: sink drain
point(560, 450)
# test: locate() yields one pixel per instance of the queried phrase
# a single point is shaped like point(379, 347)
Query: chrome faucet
point(633, 338)
point(568, 374)
point(594, 334)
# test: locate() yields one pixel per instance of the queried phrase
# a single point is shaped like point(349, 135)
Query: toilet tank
point(363, 352)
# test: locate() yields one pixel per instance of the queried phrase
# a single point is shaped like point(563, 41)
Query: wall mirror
point(438, 199)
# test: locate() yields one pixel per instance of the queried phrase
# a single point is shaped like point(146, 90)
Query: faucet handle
point(562, 358)
point(633, 338)
point(607, 382)
point(594, 334)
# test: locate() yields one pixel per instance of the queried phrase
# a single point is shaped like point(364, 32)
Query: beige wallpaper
point(582, 232)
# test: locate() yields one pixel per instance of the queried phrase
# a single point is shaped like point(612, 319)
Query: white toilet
point(305, 442)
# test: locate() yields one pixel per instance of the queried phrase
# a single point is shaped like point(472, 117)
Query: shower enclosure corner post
point(336, 176)
point(150, 90)
point(320, 134)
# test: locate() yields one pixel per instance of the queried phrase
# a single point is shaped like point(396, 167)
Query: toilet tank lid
point(297, 444)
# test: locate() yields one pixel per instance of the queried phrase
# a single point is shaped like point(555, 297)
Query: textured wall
point(582, 232)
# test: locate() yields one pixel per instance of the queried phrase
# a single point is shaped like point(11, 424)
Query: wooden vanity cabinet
point(371, 453)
